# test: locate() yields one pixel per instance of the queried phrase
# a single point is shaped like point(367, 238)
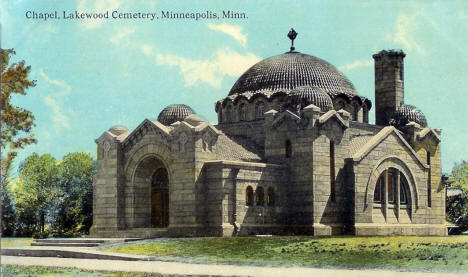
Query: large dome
point(290, 70)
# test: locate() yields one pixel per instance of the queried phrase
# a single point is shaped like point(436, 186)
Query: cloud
point(97, 6)
point(65, 88)
point(147, 49)
point(225, 62)
point(231, 30)
point(405, 27)
point(356, 64)
point(121, 34)
point(59, 118)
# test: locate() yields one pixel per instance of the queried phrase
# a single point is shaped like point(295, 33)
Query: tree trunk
point(42, 221)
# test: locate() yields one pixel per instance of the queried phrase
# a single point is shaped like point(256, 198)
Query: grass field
point(413, 253)
point(16, 242)
point(33, 271)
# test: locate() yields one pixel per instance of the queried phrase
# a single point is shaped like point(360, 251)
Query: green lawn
point(33, 271)
point(16, 242)
point(413, 253)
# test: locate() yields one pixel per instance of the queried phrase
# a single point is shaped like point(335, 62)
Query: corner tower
point(389, 84)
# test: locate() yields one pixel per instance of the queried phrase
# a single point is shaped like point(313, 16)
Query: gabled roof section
point(104, 136)
point(378, 138)
point(330, 115)
point(428, 132)
point(144, 125)
point(284, 114)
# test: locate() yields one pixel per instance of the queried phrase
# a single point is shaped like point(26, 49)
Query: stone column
point(397, 196)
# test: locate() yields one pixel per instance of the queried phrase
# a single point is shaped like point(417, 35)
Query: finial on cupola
point(292, 35)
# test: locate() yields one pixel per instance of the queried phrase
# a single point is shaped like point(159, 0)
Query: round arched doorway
point(159, 198)
point(151, 194)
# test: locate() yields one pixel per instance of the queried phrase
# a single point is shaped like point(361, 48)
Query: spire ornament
point(292, 35)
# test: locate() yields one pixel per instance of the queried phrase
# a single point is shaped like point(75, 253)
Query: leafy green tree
point(15, 128)
point(36, 191)
point(8, 211)
point(16, 122)
point(457, 206)
point(74, 180)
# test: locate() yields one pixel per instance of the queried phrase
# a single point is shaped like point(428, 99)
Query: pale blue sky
point(94, 74)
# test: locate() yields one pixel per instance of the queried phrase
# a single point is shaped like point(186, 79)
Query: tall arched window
point(429, 196)
point(260, 110)
point(242, 112)
point(260, 196)
point(249, 196)
point(270, 197)
point(288, 148)
point(220, 115)
point(391, 187)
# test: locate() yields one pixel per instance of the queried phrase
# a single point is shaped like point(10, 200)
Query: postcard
point(234, 138)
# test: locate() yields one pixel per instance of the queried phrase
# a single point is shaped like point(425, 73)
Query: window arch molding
point(391, 162)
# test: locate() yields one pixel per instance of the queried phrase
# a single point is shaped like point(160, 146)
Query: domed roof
point(306, 95)
point(406, 114)
point(173, 113)
point(118, 130)
point(290, 70)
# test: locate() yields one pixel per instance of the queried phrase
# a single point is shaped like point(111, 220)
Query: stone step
point(67, 244)
point(70, 240)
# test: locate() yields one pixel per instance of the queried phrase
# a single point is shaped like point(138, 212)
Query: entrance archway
point(160, 198)
point(151, 194)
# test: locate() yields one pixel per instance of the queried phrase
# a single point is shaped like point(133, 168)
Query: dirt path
point(207, 269)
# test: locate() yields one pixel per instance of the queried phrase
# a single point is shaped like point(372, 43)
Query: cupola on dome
point(118, 130)
point(174, 113)
point(303, 96)
point(408, 113)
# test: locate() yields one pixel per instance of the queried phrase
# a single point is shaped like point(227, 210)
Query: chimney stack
point(389, 84)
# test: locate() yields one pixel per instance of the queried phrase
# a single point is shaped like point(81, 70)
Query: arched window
point(270, 197)
point(340, 105)
point(429, 196)
point(260, 196)
point(356, 112)
point(365, 114)
point(249, 196)
point(229, 114)
point(220, 115)
point(260, 110)
point(242, 112)
point(288, 148)
point(391, 187)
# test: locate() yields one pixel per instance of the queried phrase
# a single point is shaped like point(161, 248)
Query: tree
point(74, 180)
point(15, 128)
point(8, 211)
point(57, 194)
point(457, 206)
point(16, 122)
point(36, 191)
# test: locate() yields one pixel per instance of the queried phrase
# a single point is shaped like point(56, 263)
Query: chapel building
point(293, 153)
